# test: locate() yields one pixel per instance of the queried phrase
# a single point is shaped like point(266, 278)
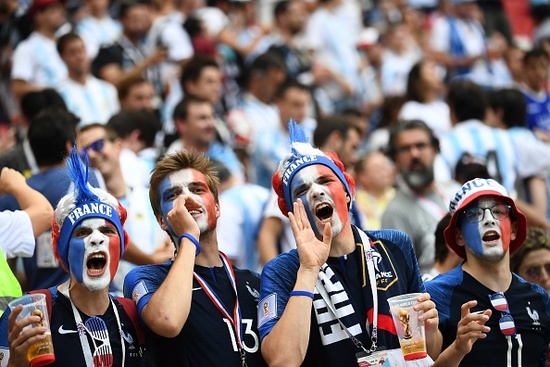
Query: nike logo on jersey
point(63, 331)
point(197, 289)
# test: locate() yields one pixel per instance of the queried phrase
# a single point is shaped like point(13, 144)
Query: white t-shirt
point(435, 114)
point(36, 61)
point(16, 234)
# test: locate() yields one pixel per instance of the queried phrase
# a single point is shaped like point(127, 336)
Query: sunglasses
point(96, 146)
point(506, 322)
point(499, 211)
point(534, 272)
point(97, 330)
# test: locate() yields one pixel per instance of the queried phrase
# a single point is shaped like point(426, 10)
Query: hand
point(430, 316)
point(10, 179)
point(312, 252)
point(179, 218)
point(20, 340)
point(471, 327)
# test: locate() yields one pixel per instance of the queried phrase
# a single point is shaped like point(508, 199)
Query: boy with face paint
point(199, 310)
point(324, 300)
point(88, 326)
point(481, 300)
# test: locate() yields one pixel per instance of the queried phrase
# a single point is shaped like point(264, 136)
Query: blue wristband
point(302, 293)
point(192, 239)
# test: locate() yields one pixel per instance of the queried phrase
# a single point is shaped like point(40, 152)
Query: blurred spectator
point(508, 111)
point(420, 202)
point(400, 54)
point(458, 41)
point(97, 28)
point(194, 120)
point(331, 39)
point(445, 258)
point(241, 209)
point(89, 98)
point(136, 93)
point(375, 179)
point(507, 162)
point(469, 167)
point(137, 130)
point(36, 63)
point(271, 144)
point(264, 77)
point(129, 55)
point(535, 75)
point(379, 137)
point(21, 157)
point(532, 260)
point(52, 133)
point(11, 15)
point(103, 147)
point(513, 58)
point(424, 91)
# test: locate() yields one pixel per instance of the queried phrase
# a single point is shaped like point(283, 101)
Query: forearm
point(36, 206)
point(434, 342)
point(450, 357)
point(134, 255)
point(168, 309)
point(286, 344)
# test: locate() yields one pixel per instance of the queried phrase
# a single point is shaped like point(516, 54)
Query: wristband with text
point(192, 239)
point(302, 293)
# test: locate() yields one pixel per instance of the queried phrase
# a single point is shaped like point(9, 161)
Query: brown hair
point(537, 239)
point(175, 162)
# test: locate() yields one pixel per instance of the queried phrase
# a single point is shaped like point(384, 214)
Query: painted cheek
point(207, 201)
point(472, 236)
point(114, 254)
point(165, 205)
point(77, 250)
point(506, 233)
point(339, 199)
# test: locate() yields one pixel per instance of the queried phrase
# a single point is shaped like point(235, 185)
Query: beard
point(419, 179)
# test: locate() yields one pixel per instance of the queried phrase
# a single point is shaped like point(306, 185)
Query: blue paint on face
point(77, 257)
point(472, 236)
point(297, 182)
point(167, 194)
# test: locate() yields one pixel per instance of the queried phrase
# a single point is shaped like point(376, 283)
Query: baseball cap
point(472, 190)
point(38, 5)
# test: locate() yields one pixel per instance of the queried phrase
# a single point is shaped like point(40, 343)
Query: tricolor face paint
point(189, 182)
point(94, 253)
point(489, 238)
point(323, 196)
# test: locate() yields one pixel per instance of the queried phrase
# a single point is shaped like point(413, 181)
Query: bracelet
point(192, 239)
point(302, 293)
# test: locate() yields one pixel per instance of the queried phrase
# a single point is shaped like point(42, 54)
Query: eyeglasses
point(96, 146)
point(499, 211)
point(534, 272)
point(506, 322)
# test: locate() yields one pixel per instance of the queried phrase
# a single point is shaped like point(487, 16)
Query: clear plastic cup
point(410, 331)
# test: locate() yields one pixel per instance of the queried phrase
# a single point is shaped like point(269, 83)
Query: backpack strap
point(131, 311)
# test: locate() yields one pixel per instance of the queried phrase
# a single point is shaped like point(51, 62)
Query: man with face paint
point(482, 297)
point(413, 147)
point(322, 301)
point(199, 310)
point(88, 326)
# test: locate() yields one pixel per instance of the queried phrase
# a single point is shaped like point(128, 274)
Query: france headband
point(87, 205)
point(303, 155)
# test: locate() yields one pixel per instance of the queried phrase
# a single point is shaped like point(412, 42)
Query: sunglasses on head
point(534, 272)
point(506, 322)
point(96, 146)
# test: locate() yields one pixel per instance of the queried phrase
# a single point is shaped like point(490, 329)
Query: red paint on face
point(114, 254)
point(207, 199)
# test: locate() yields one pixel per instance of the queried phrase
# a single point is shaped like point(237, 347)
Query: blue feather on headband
point(78, 173)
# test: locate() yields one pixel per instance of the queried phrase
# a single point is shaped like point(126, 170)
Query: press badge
point(376, 359)
point(44, 252)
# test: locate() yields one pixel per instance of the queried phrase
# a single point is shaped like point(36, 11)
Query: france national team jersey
point(207, 338)
point(529, 306)
point(538, 110)
point(396, 271)
point(66, 340)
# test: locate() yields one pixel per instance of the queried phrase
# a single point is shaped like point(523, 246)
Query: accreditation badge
point(375, 359)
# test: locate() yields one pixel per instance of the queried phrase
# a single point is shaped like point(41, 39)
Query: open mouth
point(96, 264)
point(195, 212)
point(490, 236)
point(324, 211)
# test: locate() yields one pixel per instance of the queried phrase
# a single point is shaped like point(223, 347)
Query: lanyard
point(82, 330)
point(236, 318)
point(372, 278)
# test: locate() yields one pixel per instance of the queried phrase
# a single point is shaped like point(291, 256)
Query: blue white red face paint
point(323, 196)
point(193, 183)
point(490, 238)
point(94, 253)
